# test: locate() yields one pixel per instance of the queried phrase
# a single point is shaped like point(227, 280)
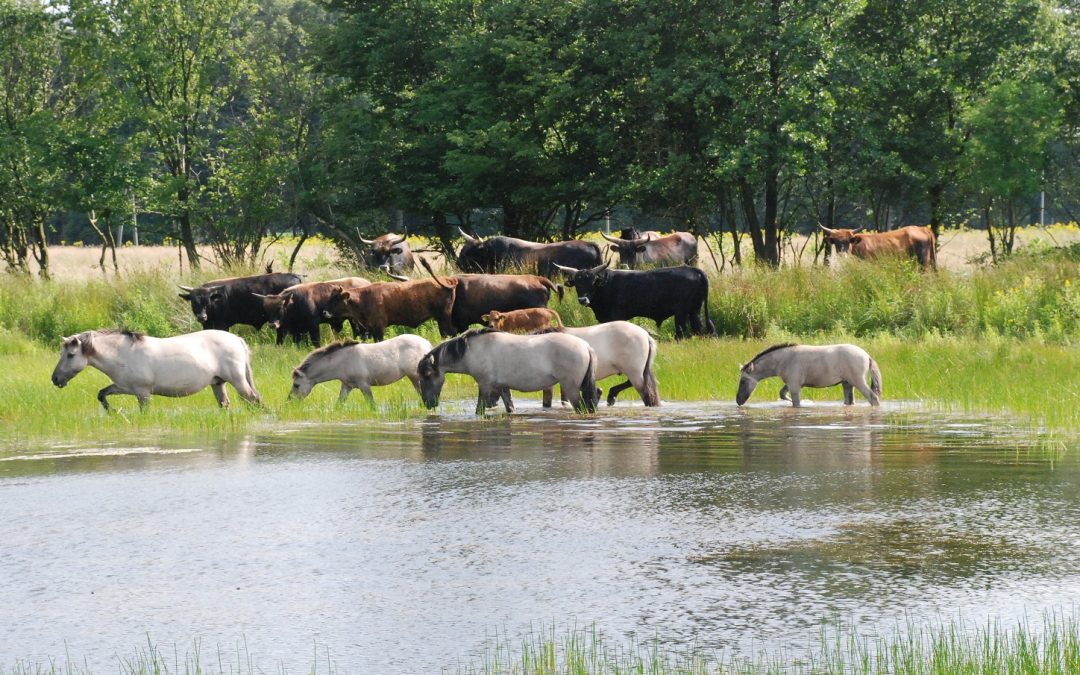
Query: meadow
point(992, 339)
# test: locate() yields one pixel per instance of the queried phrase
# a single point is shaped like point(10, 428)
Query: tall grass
point(1049, 647)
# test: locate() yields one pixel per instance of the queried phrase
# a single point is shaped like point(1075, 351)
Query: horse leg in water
point(548, 395)
point(783, 393)
point(222, 396)
point(794, 390)
point(849, 394)
point(865, 390)
point(614, 392)
point(507, 401)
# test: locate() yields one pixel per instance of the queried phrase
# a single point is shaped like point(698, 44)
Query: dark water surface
point(398, 547)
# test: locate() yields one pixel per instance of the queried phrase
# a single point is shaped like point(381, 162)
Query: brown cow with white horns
point(915, 241)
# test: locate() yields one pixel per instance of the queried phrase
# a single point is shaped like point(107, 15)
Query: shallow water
point(399, 547)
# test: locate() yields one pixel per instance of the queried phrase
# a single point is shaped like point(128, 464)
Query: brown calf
point(913, 240)
point(523, 320)
point(408, 303)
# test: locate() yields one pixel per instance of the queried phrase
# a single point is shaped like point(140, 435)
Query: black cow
point(389, 252)
point(615, 295)
point(496, 254)
point(223, 303)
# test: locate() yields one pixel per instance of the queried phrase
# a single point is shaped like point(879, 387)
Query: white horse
point(622, 348)
point(809, 366)
point(361, 366)
point(176, 366)
point(502, 361)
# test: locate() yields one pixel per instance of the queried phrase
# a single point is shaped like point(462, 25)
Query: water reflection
point(399, 546)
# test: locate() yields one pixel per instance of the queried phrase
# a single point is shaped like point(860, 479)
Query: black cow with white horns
point(389, 252)
point(223, 303)
point(497, 254)
point(618, 295)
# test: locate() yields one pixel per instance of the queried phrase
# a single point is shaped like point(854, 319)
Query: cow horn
point(369, 242)
point(185, 288)
point(613, 240)
point(395, 242)
point(398, 277)
point(599, 268)
point(826, 230)
point(469, 237)
point(568, 270)
point(857, 229)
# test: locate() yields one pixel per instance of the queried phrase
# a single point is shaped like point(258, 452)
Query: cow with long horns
point(619, 295)
point(389, 252)
point(496, 254)
point(912, 241)
point(650, 249)
point(223, 303)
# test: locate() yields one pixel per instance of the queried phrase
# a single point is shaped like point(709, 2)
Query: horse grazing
point(501, 361)
point(622, 348)
point(361, 366)
point(809, 366)
point(176, 366)
point(523, 320)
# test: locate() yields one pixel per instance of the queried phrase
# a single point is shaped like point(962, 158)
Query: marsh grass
point(1047, 647)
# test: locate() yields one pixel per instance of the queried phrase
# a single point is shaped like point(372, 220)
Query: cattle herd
point(524, 345)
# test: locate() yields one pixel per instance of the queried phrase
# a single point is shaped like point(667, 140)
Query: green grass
point(997, 340)
point(1049, 647)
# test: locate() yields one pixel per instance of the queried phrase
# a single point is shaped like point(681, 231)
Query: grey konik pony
point(141, 365)
point(361, 366)
point(502, 361)
point(809, 366)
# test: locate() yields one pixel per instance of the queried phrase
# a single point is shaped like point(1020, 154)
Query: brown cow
point(523, 320)
point(914, 240)
point(408, 303)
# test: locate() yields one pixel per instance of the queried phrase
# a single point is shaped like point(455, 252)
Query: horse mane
point(325, 351)
point(455, 347)
point(87, 340)
point(768, 350)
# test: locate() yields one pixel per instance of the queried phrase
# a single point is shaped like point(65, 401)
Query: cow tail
point(557, 288)
point(558, 319)
point(651, 396)
point(709, 328)
point(589, 399)
point(875, 377)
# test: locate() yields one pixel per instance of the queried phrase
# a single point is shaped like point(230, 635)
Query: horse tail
point(587, 392)
point(875, 377)
point(249, 377)
point(651, 396)
point(709, 328)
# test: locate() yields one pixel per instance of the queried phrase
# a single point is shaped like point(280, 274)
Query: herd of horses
point(524, 346)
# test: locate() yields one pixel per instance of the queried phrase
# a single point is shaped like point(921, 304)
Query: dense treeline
point(227, 122)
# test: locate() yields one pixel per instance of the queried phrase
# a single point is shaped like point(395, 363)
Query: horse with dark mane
point(813, 366)
point(501, 361)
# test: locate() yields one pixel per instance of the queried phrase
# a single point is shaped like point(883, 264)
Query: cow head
point(587, 282)
point(842, 239)
point(274, 306)
point(388, 252)
point(494, 319)
point(205, 301)
point(629, 249)
point(338, 303)
point(476, 255)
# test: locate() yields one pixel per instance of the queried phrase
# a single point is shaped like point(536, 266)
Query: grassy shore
point(998, 339)
point(1047, 647)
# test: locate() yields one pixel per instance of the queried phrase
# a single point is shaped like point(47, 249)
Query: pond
point(402, 547)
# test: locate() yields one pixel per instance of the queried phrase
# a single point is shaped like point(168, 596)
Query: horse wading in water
point(809, 366)
point(141, 365)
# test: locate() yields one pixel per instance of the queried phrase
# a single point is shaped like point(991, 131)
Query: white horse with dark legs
point(809, 366)
point(501, 361)
point(622, 348)
point(361, 366)
point(142, 366)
